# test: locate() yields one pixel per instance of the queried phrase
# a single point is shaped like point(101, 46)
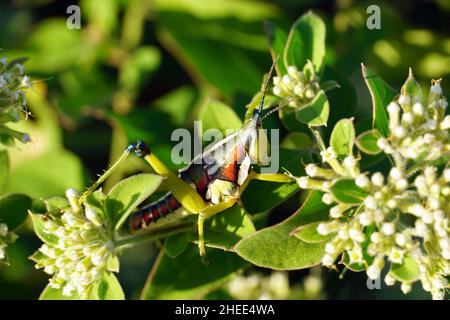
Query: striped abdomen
point(154, 211)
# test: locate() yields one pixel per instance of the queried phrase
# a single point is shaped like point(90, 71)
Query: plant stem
point(131, 240)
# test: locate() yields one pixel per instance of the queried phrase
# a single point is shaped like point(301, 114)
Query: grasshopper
point(214, 180)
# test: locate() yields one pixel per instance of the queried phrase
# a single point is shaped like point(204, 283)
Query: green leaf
point(185, 277)
point(411, 87)
point(275, 248)
point(382, 94)
point(367, 142)
point(329, 85)
point(197, 43)
point(4, 170)
point(56, 294)
point(225, 229)
point(53, 47)
point(108, 288)
point(296, 141)
point(38, 225)
point(103, 15)
point(125, 196)
point(408, 271)
point(13, 209)
point(113, 263)
point(346, 191)
point(96, 200)
point(316, 112)
point(277, 41)
point(343, 138)
point(55, 204)
point(217, 115)
point(48, 175)
point(137, 68)
point(343, 100)
point(308, 233)
point(174, 245)
point(306, 41)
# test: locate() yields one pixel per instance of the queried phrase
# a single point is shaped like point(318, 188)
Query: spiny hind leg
point(206, 214)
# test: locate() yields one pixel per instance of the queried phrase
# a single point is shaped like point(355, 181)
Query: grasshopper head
point(253, 137)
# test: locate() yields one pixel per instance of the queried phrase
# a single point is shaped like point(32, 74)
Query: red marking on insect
point(147, 217)
point(155, 213)
point(164, 210)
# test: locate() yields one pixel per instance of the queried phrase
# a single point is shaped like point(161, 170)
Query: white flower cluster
point(403, 218)
point(272, 287)
point(83, 248)
point(13, 102)
point(297, 87)
point(419, 131)
point(6, 237)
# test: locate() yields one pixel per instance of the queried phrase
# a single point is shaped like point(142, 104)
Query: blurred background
point(137, 69)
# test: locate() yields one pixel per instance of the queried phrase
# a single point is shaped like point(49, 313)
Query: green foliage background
point(139, 69)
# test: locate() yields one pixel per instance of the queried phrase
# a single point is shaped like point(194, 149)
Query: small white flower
point(404, 99)
point(277, 91)
point(400, 239)
point(393, 108)
point(377, 179)
point(370, 202)
point(356, 235)
point(376, 237)
point(438, 295)
point(445, 124)
point(327, 260)
point(396, 255)
point(327, 199)
point(395, 173)
point(407, 118)
point(350, 162)
point(401, 184)
point(330, 248)
point(389, 280)
point(365, 218)
point(421, 228)
point(432, 124)
point(336, 212)
point(323, 229)
point(418, 108)
point(303, 182)
point(3, 229)
point(373, 272)
point(399, 132)
point(292, 71)
point(362, 181)
point(311, 169)
point(388, 228)
point(406, 287)
point(447, 175)
point(356, 255)
point(436, 88)
point(328, 154)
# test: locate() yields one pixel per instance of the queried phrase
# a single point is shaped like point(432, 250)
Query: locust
point(213, 181)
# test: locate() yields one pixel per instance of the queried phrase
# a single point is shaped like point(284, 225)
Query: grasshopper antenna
point(266, 86)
